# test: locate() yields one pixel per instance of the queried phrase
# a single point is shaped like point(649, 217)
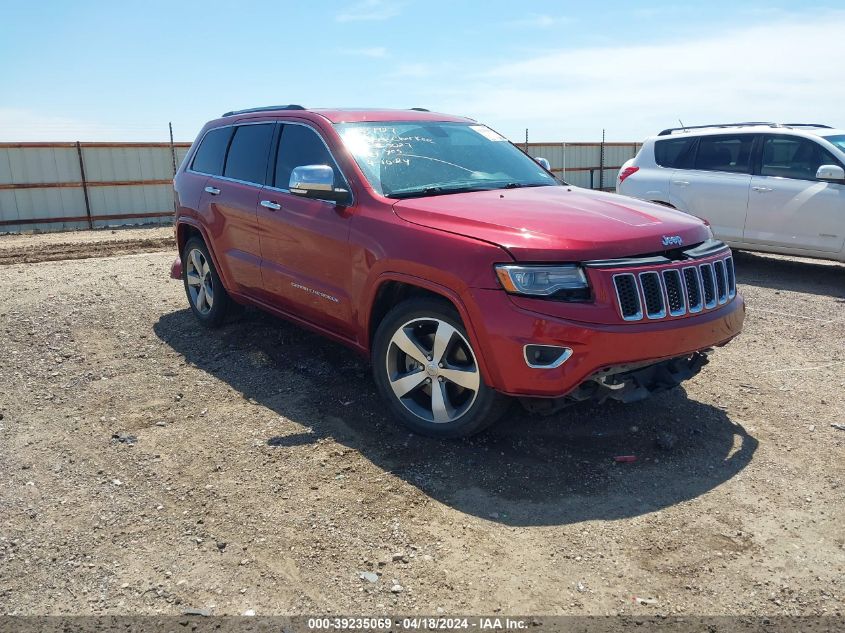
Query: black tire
point(473, 409)
point(208, 315)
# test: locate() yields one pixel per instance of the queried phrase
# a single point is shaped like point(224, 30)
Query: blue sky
point(121, 70)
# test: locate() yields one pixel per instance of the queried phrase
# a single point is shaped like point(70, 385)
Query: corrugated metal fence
point(68, 186)
point(589, 165)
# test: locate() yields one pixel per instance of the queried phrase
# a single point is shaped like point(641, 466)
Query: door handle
point(212, 190)
point(681, 183)
point(762, 189)
point(269, 204)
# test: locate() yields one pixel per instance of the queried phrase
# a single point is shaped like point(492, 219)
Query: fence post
point(172, 148)
point(564, 161)
point(601, 162)
point(84, 185)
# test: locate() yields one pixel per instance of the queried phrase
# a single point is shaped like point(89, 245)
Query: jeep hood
point(555, 223)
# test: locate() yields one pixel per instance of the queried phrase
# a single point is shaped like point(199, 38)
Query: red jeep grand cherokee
point(461, 266)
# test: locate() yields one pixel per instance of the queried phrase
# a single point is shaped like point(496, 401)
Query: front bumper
point(503, 328)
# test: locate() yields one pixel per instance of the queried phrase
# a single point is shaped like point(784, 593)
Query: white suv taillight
point(627, 172)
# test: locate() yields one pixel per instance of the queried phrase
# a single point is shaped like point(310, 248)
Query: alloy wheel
point(200, 282)
point(432, 370)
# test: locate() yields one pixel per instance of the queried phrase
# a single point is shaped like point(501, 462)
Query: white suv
point(778, 188)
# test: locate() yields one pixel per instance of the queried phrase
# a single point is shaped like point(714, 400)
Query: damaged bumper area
point(625, 383)
point(176, 269)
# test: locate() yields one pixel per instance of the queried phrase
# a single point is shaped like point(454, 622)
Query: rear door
point(652, 180)
point(788, 207)
point(306, 264)
point(230, 198)
point(715, 187)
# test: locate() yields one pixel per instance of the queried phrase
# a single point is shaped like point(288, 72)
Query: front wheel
point(426, 368)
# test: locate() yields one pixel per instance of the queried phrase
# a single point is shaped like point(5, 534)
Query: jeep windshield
point(407, 159)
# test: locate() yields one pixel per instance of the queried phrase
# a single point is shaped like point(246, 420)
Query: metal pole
point(601, 162)
point(173, 158)
point(526, 140)
point(172, 148)
point(84, 185)
point(564, 161)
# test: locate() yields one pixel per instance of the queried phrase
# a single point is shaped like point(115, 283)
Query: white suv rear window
point(672, 151)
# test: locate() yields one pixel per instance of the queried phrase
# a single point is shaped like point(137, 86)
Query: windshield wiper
point(440, 191)
point(517, 185)
point(434, 191)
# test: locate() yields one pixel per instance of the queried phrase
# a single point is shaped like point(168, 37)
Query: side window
point(672, 152)
point(248, 152)
point(793, 157)
point(300, 145)
point(212, 151)
point(724, 153)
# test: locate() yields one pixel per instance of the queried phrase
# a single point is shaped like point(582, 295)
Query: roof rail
point(822, 125)
point(291, 106)
point(668, 131)
point(421, 109)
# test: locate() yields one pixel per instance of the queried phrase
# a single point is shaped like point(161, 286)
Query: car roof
point(750, 128)
point(345, 115)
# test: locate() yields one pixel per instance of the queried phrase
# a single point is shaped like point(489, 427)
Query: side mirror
point(316, 181)
point(831, 172)
point(542, 162)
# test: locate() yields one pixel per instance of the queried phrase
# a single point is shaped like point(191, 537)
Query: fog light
point(546, 356)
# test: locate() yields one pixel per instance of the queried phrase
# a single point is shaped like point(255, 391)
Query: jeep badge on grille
point(672, 240)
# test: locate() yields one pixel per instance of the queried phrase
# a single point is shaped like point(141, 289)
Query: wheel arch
point(390, 289)
point(185, 230)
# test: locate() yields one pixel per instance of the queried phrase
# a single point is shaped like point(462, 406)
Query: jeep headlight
point(564, 281)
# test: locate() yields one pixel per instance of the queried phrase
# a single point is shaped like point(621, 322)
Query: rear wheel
point(426, 368)
point(207, 297)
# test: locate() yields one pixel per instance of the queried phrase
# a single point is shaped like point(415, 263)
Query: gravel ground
point(149, 466)
point(33, 247)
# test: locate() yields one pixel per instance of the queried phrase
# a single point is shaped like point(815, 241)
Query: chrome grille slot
point(729, 265)
point(708, 283)
point(674, 292)
point(655, 307)
point(721, 281)
point(628, 296)
point(693, 285)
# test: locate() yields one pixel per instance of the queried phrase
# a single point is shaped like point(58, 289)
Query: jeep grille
point(655, 294)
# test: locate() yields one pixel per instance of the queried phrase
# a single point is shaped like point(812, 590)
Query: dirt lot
point(149, 466)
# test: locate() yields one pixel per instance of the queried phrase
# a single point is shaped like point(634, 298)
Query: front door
point(716, 187)
point(788, 207)
point(306, 264)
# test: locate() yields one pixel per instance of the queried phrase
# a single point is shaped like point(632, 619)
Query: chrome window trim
point(662, 313)
point(261, 185)
point(639, 315)
point(700, 285)
point(683, 288)
point(565, 356)
point(227, 179)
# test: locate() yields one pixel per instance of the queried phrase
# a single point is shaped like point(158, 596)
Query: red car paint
point(321, 265)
